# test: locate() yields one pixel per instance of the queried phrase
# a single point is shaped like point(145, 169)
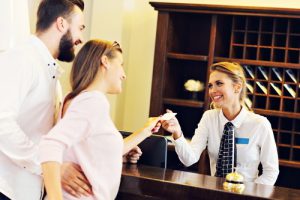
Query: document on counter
point(290, 90)
point(250, 88)
point(291, 75)
point(277, 73)
point(248, 102)
point(262, 87)
point(249, 70)
point(263, 72)
point(274, 86)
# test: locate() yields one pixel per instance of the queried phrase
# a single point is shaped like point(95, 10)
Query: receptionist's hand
point(172, 126)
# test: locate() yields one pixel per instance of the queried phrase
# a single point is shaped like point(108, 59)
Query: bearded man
point(28, 79)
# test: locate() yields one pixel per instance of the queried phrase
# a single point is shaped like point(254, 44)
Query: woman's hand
point(133, 155)
point(152, 126)
point(172, 126)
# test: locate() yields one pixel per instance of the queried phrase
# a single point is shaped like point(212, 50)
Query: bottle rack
point(274, 92)
point(273, 89)
point(265, 39)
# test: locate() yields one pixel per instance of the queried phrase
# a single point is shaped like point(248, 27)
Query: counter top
point(145, 182)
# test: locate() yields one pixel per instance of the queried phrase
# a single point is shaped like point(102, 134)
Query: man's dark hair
point(50, 10)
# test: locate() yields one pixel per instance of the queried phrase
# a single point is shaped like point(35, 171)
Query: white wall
point(14, 23)
point(106, 23)
point(140, 33)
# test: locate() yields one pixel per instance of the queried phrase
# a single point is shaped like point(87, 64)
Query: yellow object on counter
point(234, 183)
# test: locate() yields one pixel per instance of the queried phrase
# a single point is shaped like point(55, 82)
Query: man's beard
point(66, 48)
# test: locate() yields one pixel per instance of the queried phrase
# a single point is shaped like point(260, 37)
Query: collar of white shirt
point(237, 121)
point(55, 69)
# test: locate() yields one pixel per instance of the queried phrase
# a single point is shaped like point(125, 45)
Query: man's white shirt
point(28, 78)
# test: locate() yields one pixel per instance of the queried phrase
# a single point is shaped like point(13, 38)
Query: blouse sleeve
point(268, 156)
point(73, 127)
point(189, 153)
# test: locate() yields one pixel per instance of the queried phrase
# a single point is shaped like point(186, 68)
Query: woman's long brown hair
point(87, 64)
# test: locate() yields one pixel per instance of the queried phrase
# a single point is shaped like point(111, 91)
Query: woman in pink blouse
point(85, 133)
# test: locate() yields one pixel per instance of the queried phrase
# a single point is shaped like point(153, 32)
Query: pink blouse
point(87, 136)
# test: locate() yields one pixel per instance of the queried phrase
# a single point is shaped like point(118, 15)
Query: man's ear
point(105, 62)
point(62, 24)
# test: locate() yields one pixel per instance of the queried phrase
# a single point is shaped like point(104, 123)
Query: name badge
point(242, 140)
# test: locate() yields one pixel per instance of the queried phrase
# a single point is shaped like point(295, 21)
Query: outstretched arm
point(188, 153)
point(138, 136)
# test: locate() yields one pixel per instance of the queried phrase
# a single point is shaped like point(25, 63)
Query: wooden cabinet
point(265, 41)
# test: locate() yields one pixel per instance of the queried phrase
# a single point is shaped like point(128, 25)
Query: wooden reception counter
point(144, 182)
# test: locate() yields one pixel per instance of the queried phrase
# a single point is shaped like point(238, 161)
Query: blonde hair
point(235, 72)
